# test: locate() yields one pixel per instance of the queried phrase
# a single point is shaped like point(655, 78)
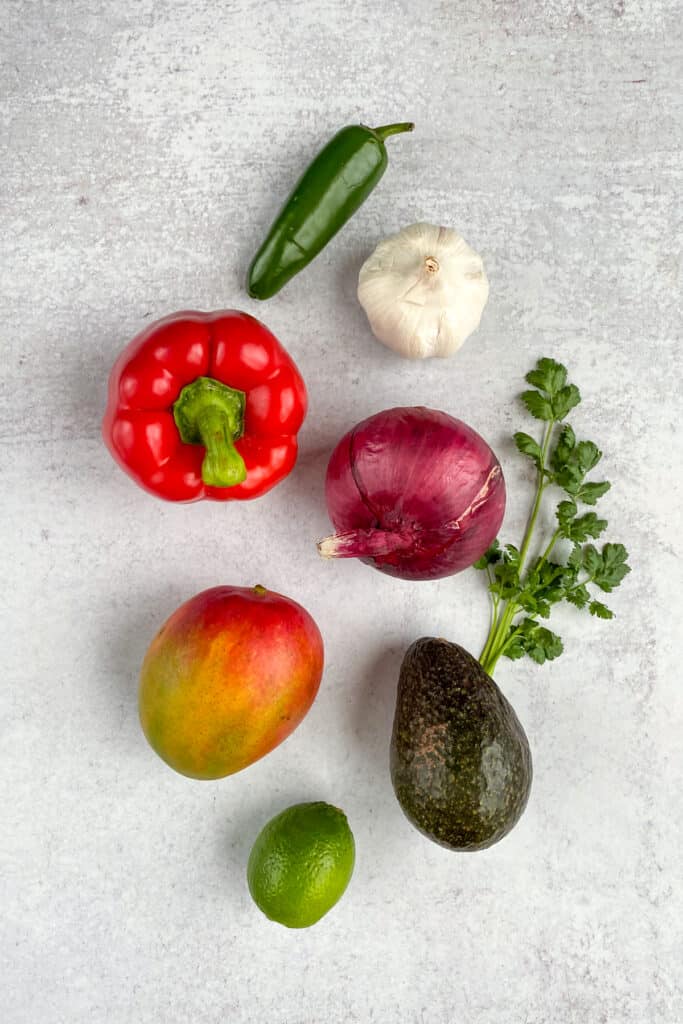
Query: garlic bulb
point(423, 291)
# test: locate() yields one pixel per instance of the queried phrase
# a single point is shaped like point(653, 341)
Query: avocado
point(460, 760)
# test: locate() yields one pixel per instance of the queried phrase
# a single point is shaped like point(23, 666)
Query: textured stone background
point(145, 147)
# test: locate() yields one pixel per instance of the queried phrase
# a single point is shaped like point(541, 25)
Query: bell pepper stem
point(385, 130)
point(209, 413)
point(223, 466)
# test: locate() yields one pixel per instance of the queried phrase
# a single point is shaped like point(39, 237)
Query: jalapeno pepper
point(330, 191)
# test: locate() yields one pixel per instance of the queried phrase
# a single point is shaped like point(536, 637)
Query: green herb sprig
point(523, 591)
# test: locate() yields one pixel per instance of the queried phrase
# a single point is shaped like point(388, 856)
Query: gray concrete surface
point(145, 147)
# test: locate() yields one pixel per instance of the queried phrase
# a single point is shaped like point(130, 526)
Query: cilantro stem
point(524, 550)
point(581, 583)
point(495, 601)
point(502, 618)
point(553, 541)
point(500, 637)
point(507, 641)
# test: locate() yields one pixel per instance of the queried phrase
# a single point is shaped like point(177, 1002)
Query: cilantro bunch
point(523, 589)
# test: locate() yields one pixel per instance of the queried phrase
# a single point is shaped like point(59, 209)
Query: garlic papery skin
point(424, 291)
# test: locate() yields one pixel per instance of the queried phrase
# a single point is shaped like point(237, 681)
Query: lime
point(301, 863)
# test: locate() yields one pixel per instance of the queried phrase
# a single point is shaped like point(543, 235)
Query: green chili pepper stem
point(209, 413)
point(331, 189)
point(393, 129)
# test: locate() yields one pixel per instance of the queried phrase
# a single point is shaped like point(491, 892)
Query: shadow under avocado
point(373, 716)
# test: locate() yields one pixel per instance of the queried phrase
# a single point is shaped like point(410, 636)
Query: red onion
point(414, 492)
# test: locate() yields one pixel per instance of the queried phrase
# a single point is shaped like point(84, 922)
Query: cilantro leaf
point(564, 448)
point(527, 446)
point(589, 493)
point(592, 560)
point(571, 462)
point(515, 647)
point(613, 554)
point(570, 479)
point(587, 455)
point(511, 555)
point(613, 567)
point(547, 645)
point(578, 596)
point(548, 376)
point(585, 526)
point(544, 586)
point(539, 407)
point(565, 400)
point(608, 567)
point(539, 643)
point(601, 610)
point(575, 559)
point(566, 512)
point(489, 557)
point(506, 573)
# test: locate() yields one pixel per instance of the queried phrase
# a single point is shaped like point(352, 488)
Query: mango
point(227, 678)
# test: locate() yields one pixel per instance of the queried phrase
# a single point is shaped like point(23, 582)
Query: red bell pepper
point(205, 405)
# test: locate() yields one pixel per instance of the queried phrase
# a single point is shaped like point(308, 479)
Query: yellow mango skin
point(227, 678)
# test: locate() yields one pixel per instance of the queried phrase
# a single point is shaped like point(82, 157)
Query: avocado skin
point(460, 760)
